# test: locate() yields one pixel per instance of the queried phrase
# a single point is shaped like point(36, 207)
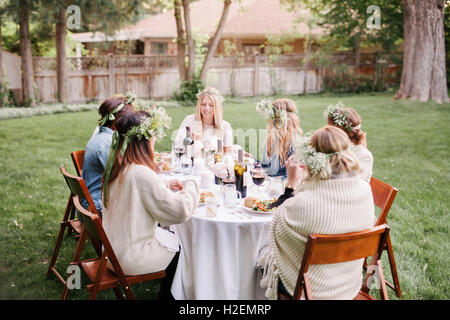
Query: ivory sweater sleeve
point(165, 206)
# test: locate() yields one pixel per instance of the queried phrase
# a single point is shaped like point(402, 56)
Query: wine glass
point(258, 177)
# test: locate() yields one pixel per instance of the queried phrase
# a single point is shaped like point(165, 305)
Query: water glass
point(230, 195)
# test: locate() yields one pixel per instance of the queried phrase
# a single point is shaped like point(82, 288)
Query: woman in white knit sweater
point(349, 120)
point(136, 200)
point(331, 199)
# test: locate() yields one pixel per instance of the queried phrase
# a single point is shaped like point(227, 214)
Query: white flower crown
point(306, 154)
point(206, 91)
point(266, 109)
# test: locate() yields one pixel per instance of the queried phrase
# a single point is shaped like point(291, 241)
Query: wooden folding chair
point(336, 248)
point(96, 269)
point(78, 187)
point(78, 161)
point(383, 196)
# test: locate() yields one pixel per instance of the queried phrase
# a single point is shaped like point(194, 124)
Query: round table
point(219, 254)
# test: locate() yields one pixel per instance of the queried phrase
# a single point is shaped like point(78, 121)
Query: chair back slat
point(328, 249)
point(87, 218)
point(78, 161)
point(77, 186)
point(383, 197)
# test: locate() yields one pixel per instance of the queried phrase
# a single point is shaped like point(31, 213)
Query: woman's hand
point(175, 185)
point(159, 166)
point(295, 171)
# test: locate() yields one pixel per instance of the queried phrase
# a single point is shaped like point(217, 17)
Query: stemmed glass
point(179, 152)
point(258, 176)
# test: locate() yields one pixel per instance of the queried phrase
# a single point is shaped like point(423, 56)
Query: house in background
point(248, 26)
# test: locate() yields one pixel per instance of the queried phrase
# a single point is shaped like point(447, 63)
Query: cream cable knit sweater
point(131, 219)
point(329, 207)
point(365, 158)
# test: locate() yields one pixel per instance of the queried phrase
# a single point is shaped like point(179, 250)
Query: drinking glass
point(186, 163)
point(258, 177)
point(230, 195)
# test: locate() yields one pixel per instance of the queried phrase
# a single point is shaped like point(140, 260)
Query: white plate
point(257, 213)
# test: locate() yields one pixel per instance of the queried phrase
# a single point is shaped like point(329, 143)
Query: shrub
point(187, 93)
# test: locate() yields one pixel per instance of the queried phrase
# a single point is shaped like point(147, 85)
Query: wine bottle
point(218, 155)
point(239, 169)
point(188, 143)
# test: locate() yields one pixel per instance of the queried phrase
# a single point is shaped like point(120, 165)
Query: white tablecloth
point(219, 254)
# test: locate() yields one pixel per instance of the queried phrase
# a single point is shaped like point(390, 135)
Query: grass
point(410, 142)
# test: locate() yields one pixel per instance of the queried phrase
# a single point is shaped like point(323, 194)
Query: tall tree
point(424, 71)
point(25, 53)
point(189, 40)
point(215, 40)
point(61, 61)
point(181, 41)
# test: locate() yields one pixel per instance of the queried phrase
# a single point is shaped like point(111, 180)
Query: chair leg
point(76, 258)
point(118, 293)
point(62, 229)
point(397, 289)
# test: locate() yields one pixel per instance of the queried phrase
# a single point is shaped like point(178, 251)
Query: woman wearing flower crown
point(282, 125)
point(207, 124)
point(331, 199)
point(136, 200)
point(97, 149)
point(349, 120)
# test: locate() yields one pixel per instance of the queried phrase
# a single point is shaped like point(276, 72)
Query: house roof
point(253, 18)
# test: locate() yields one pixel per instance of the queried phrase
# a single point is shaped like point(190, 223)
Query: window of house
point(252, 48)
point(158, 47)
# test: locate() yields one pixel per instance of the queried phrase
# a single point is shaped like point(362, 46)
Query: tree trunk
point(306, 61)
point(61, 61)
point(1, 55)
point(25, 53)
point(190, 41)
point(424, 71)
point(181, 41)
point(215, 40)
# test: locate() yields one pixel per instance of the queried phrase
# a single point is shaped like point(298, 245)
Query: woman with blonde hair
point(282, 126)
point(207, 124)
point(349, 121)
point(136, 200)
point(331, 199)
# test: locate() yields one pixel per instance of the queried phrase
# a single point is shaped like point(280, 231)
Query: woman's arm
point(166, 206)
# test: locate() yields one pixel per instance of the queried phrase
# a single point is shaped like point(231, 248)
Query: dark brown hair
point(110, 104)
point(137, 151)
point(353, 119)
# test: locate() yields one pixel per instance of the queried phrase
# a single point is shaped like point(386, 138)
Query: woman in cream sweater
point(136, 199)
point(349, 121)
point(331, 199)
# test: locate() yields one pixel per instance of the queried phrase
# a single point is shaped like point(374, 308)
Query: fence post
point(112, 82)
point(256, 77)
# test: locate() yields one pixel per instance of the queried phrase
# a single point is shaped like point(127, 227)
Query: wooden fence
point(156, 77)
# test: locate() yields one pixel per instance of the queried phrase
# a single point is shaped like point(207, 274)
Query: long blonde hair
point(279, 138)
point(214, 94)
point(332, 140)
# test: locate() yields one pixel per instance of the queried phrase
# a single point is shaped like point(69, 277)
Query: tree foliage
point(346, 21)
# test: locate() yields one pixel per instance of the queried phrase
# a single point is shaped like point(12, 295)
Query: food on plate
point(250, 202)
point(259, 205)
point(205, 195)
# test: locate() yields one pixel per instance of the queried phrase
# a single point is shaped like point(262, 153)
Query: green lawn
point(410, 142)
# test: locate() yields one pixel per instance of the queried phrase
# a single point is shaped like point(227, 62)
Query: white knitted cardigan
point(331, 206)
